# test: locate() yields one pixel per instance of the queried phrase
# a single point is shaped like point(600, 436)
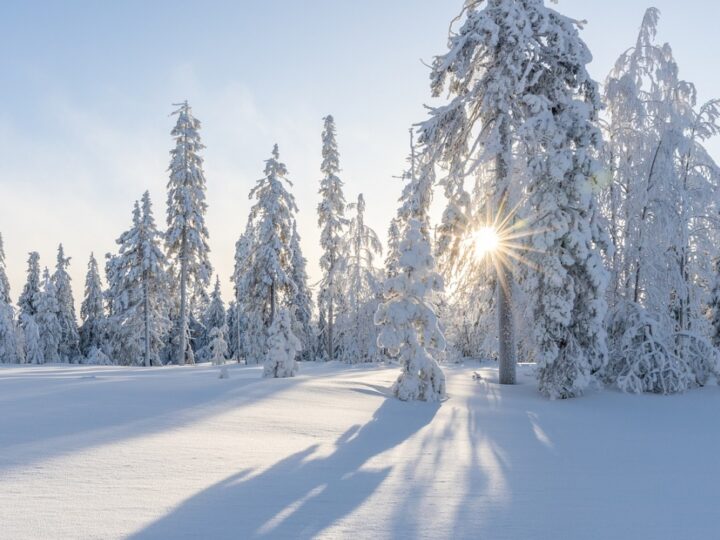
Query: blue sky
point(88, 85)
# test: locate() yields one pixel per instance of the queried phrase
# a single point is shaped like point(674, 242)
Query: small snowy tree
point(409, 326)
point(283, 348)
point(213, 318)
point(187, 235)
point(31, 339)
point(218, 346)
point(48, 322)
point(92, 311)
point(69, 348)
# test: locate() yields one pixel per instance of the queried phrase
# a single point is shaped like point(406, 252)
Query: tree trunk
point(183, 302)
point(506, 330)
point(147, 321)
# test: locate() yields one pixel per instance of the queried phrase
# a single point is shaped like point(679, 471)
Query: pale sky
point(87, 89)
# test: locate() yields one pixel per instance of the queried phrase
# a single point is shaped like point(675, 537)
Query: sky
point(88, 88)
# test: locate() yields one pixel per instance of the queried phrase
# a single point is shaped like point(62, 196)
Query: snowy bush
point(283, 348)
point(95, 357)
point(643, 356)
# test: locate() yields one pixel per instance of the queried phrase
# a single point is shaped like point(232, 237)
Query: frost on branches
point(69, 348)
point(283, 347)
point(92, 311)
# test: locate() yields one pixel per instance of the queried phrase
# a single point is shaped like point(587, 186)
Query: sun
point(487, 241)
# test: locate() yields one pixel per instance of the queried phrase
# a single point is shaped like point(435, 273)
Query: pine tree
point(48, 320)
point(218, 346)
point(31, 291)
point(4, 282)
point(69, 348)
point(301, 304)
point(9, 349)
point(92, 311)
point(213, 318)
point(362, 289)
point(187, 235)
point(268, 272)
point(238, 335)
point(283, 347)
point(409, 326)
point(393, 248)
point(31, 339)
point(138, 291)
point(331, 219)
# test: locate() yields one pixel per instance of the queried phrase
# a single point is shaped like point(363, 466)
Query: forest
point(579, 232)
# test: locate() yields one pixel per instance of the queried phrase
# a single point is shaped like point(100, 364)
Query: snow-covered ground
point(110, 452)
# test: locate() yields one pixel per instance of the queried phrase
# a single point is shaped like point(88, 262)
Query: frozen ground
point(176, 453)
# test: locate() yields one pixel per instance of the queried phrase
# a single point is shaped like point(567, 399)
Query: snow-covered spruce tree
point(283, 347)
point(300, 303)
point(218, 346)
point(266, 278)
point(31, 291)
point(187, 235)
point(213, 318)
point(239, 337)
point(409, 327)
point(9, 347)
point(69, 348)
point(331, 212)
point(138, 290)
point(393, 248)
point(32, 348)
point(92, 311)
point(714, 306)
point(517, 71)
point(48, 320)
point(4, 282)
point(362, 284)
point(660, 201)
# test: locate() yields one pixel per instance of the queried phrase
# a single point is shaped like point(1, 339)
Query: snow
point(175, 452)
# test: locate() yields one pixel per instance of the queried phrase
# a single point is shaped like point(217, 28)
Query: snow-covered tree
point(301, 303)
point(266, 278)
point(4, 282)
point(32, 347)
point(393, 248)
point(9, 348)
point(187, 234)
point(213, 318)
point(362, 283)
point(138, 291)
point(660, 203)
point(31, 291)
point(239, 338)
point(521, 117)
point(92, 311)
point(331, 212)
point(69, 348)
point(218, 346)
point(283, 347)
point(409, 327)
point(48, 320)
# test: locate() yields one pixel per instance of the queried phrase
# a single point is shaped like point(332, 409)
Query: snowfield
point(112, 452)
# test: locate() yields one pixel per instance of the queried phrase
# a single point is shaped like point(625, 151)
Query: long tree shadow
point(77, 414)
point(299, 496)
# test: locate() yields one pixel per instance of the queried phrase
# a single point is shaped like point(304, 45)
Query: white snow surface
point(118, 452)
